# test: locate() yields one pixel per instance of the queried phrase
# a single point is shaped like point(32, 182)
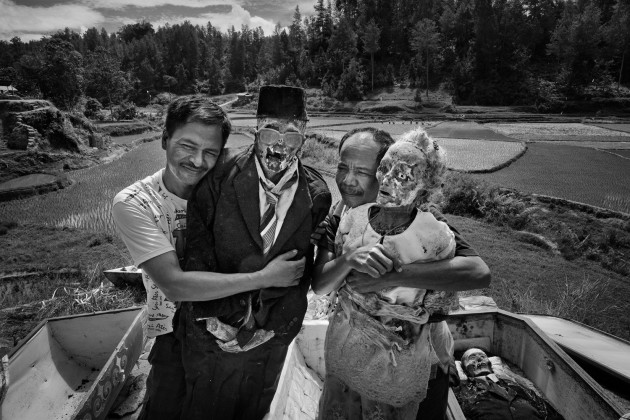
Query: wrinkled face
point(400, 175)
point(476, 363)
point(191, 152)
point(277, 144)
point(356, 171)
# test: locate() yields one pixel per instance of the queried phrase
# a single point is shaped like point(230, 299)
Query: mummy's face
point(277, 144)
point(400, 175)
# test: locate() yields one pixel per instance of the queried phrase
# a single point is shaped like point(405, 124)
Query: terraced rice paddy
point(133, 137)
point(574, 173)
point(28, 181)
point(559, 132)
point(479, 155)
point(87, 204)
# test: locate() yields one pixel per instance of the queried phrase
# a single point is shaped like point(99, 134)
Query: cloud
point(33, 22)
point(120, 4)
point(236, 17)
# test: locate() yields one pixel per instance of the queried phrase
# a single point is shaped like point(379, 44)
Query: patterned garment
point(426, 239)
point(152, 221)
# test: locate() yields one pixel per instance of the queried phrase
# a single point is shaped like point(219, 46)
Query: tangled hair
point(196, 108)
point(435, 157)
point(382, 138)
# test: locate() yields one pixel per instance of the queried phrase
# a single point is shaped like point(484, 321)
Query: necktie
point(269, 219)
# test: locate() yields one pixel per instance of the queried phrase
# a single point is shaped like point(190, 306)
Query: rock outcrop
point(42, 128)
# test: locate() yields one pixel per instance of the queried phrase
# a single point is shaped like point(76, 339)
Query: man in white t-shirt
point(151, 218)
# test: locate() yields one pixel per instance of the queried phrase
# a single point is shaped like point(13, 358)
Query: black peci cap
point(288, 102)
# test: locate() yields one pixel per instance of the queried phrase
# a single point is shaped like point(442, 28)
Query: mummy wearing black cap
point(280, 130)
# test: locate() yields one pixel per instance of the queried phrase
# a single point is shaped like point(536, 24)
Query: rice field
point(573, 173)
point(557, 131)
point(479, 155)
point(133, 137)
point(87, 204)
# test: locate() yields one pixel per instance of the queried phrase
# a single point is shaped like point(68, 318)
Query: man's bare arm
point(179, 285)
point(329, 273)
point(458, 273)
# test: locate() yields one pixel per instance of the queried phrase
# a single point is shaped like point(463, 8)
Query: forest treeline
point(486, 52)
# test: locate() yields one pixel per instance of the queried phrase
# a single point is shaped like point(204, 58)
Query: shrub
point(125, 111)
point(463, 196)
point(92, 108)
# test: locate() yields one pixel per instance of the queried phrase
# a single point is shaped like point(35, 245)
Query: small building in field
point(7, 89)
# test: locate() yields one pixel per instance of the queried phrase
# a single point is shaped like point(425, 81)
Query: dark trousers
point(226, 386)
point(166, 385)
point(433, 407)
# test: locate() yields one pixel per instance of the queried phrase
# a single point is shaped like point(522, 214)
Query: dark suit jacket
point(223, 236)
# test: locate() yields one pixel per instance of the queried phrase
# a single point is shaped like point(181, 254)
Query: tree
point(169, 82)
point(351, 82)
point(343, 45)
point(424, 38)
point(104, 80)
point(618, 33)
point(576, 44)
point(136, 31)
point(61, 76)
point(371, 35)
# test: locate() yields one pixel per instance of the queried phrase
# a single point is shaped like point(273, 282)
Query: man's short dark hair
point(196, 108)
point(382, 138)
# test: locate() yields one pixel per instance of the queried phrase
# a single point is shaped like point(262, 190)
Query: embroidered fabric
point(362, 349)
point(375, 362)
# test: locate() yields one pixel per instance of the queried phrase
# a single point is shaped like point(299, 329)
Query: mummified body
point(394, 378)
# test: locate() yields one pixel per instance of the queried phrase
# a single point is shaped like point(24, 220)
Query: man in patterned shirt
point(151, 218)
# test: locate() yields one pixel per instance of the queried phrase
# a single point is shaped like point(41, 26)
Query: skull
point(277, 154)
point(476, 363)
point(400, 175)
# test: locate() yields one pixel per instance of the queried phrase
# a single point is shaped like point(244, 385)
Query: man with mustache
point(258, 203)
point(150, 216)
point(371, 269)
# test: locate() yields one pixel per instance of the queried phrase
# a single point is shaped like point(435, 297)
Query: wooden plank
point(607, 352)
point(453, 410)
point(279, 402)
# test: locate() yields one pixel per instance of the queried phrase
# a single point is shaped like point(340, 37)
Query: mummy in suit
point(260, 203)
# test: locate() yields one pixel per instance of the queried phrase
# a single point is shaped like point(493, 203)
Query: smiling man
point(151, 219)
point(258, 203)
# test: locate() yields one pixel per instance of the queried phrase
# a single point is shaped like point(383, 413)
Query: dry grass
point(527, 278)
point(578, 299)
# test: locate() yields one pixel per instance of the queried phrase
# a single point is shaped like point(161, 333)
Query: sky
point(32, 19)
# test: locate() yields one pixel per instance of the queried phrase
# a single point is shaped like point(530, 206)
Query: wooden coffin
point(567, 387)
point(73, 367)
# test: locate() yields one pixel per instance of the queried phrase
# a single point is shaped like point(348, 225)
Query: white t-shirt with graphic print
point(151, 221)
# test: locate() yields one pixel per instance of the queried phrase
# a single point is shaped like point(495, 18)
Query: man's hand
point(319, 233)
point(372, 260)
point(280, 272)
